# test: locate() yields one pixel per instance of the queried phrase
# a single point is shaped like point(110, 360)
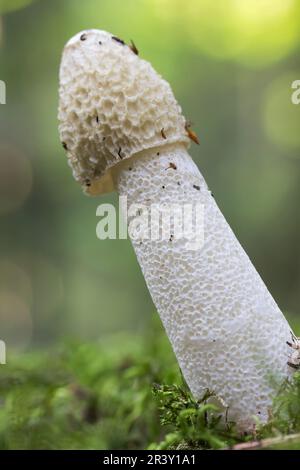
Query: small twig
point(264, 443)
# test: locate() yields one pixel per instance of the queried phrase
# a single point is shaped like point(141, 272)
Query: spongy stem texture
point(227, 332)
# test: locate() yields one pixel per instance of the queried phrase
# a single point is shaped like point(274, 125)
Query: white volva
point(123, 129)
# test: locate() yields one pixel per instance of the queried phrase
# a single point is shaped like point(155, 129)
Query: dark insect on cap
point(172, 165)
point(115, 38)
point(119, 153)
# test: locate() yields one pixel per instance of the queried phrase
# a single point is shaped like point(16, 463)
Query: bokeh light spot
point(281, 117)
point(253, 32)
point(13, 278)
point(15, 179)
point(15, 322)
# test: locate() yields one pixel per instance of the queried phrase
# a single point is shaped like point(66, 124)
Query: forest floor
point(125, 392)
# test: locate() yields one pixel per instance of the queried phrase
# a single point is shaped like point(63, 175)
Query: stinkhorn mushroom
point(123, 129)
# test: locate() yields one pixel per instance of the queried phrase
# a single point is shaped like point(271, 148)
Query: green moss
point(285, 414)
point(192, 424)
point(123, 393)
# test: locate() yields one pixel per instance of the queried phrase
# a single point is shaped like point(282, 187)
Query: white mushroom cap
point(112, 106)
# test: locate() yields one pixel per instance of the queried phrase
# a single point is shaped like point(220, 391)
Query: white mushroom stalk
point(123, 129)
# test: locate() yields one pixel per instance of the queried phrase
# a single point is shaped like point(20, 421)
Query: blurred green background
point(231, 64)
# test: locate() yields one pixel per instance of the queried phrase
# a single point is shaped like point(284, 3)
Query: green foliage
point(86, 396)
point(193, 424)
point(108, 396)
point(285, 415)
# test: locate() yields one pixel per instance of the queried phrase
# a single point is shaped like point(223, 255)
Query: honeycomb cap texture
point(112, 106)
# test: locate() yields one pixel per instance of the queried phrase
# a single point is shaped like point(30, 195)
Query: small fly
point(133, 47)
point(192, 135)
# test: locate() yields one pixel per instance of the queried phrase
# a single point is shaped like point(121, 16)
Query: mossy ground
point(123, 393)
